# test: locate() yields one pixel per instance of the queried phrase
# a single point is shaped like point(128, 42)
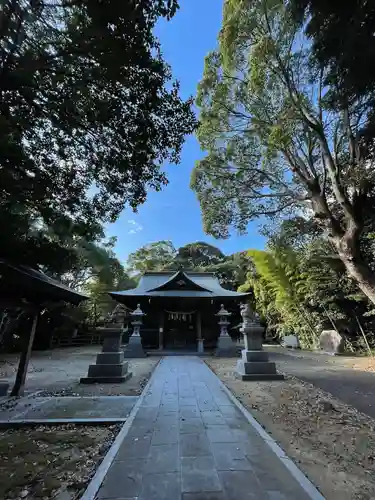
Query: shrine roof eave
point(179, 294)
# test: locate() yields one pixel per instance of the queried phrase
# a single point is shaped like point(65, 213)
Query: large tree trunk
point(348, 250)
point(362, 275)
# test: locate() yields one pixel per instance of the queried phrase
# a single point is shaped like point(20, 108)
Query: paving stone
point(204, 496)
point(231, 411)
point(161, 487)
point(162, 458)
point(198, 474)
point(240, 485)
point(220, 434)
point(232, 456)
point(191, 426)
point(187, 401)
point(166, 421)
point(236, 423)
point(192, 445)
point(148, 414)
point(189, 411)
point(123, 477)
point(165, 435)
point(168, 407)
point(133, 447)
point(213, 418)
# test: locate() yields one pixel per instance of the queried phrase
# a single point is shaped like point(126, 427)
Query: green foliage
point(156, 256)
point(199, 255)
point(275, 144)
point(279, 287)
point(88, 116)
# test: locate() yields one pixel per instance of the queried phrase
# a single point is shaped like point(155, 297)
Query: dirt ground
point(57, 372)
point(48, 463)
point(348, 378)
point(331, 442)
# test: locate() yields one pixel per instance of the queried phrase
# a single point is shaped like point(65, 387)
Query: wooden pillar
point(161, 330)
point(199, 325)
point(23, 364)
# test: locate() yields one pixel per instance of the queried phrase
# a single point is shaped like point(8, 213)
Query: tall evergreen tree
point(275, 145)
point(88, 114)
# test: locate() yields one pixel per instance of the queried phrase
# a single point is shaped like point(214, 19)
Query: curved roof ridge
point(179, 274)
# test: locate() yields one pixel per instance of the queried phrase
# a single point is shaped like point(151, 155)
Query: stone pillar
point(110, 366)
point(254, 363)
point(225, 346)
point(134, 348)
point(200, 340)
point(161, 331)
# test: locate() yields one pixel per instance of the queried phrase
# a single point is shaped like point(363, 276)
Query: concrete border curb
point(96, 481)
point(298, 475)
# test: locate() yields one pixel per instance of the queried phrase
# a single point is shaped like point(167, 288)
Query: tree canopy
point(276, 144)
point(89, 112)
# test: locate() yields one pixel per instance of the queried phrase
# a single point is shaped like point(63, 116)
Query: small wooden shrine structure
point(180, 308)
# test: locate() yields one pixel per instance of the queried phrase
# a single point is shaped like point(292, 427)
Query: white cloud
point(136, 227)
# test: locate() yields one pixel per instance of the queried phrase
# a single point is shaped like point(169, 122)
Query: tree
point(274, 144)
point(156, 256)
point(88, 114)
point(198, 255)
point(342, 44)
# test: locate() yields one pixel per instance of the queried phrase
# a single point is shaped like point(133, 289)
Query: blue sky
point(174, 213)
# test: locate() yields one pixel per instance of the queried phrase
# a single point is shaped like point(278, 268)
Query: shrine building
point(181, 309)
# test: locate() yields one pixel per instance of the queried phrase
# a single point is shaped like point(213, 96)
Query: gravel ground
point(332, 443)
point(45, 462)
point(57, 372)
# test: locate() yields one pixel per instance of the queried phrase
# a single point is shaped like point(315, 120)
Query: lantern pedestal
point(110, 366)
point(254, 363)
point(225, 347)
point(134, 349)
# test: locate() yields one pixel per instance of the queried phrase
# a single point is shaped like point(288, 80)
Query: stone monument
point(331, 342)
point(134, 348)
point(225, 348)
point(110, 366)
point(254, 363)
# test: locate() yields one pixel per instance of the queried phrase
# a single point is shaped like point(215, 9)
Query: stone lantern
point(225, 345)
point(134, 348)
point(254, 363)
point(110, 366)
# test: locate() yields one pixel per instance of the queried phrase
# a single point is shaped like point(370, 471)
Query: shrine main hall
point(181, 309)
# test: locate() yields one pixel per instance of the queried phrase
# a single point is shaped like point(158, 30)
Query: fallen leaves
point(46, 462)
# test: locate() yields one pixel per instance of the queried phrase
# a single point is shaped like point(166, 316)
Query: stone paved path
point(188, 441)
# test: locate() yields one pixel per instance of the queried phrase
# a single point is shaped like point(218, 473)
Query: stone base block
point(135, 349)
point(108, 370)
point(256, 377)
point(254, 365)
point(106, 380)
point(254, 356)
point(4, 386)
point(226, 348)
point(110, 358)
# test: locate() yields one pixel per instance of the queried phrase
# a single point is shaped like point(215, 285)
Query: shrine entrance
point(180, 330)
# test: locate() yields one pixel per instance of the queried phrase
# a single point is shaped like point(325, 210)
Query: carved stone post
point(225, 346)
point(134, 348)
point(110, 366)
point(254, 363)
